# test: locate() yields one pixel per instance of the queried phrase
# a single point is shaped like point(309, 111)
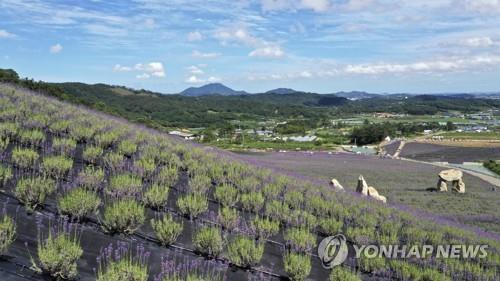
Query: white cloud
point(149, 23)
point(268, 52)
point(437, 66)
point(200, 55)
point(152, 69)
point(143, 76)
point(480, 6)
point(277, 5)
point(5, 34)
point(55, 49)
point(262, 47)
point(443, 65)
point(120, 68)
point(194, 36)
point(316, 5)
point(193, 79)
point(478, 42)
point(195, 70)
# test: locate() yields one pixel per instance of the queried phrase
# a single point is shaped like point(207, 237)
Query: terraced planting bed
point(443, 153)
point(89, 197)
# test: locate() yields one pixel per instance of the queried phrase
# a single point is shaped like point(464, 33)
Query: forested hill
point(161, 111)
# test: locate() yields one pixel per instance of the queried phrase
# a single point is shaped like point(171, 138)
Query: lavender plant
point(156, 196)
point(299, 240)
point(57, 166)
point(192, 205)
point(297, 266)
point(92, 154)
point(24, 157)
point(252, 201)
point(5, 174)
point(91, 178)
point(78, 203)
point(32, 192)
point(124, 216)
point(124, 185)
point(208, 241)
point(341, 274)
point(166, 229)
point(228, 218)
point(58, 255)
point(7, 233)
point(264, 228)
point(244, 251)
point(226, 195)
point(120, 264)
point(63, 146)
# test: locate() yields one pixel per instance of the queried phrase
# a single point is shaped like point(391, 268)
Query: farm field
point(440, 153)
point(402, 182)
point(90, 197)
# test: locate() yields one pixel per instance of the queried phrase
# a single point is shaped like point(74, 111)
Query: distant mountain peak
point(211, 89)
point(282, 91)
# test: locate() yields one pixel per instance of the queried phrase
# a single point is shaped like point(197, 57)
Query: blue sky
point(312, 45)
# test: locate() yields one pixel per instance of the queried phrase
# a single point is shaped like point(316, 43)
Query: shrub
point(372, 265)
point(167, 229)
point(24, 157)
point(253, 201)
point(294, 199)
point(303, 219)
point(57, 166)
point(91, 154)
point(297, 266)
point(146, 165)
point(4, 143)
point(79, 203)
point(192, 205)
point(299, 239)
point(124, 269)
point(127, 147)
point(106, 139)
point(156, 196)
point(271, 191)
point(124, 185)
point(5, 174)
point(330, 226)
point(277, 210)
point(32, 137)
point(226, 195)
point(91, 178)
point(124, 216)
point(63, 145)
point(167, 176)
point(58, 255)
point(208, 240)
point(7, 233)
point(228, 218)
point(199, 184)
point(113, 160)
point(244, 251)
point(32, 191)
point(264, 227)
point(341, 274)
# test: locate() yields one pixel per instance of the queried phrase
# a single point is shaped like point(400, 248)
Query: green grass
point(473, 136)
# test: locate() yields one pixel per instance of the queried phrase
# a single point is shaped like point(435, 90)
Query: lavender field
point(402, 182)
point(443, 153)
point(86, 196)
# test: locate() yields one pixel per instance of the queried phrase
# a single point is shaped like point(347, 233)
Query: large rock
point(369, 191)
point(336, 184)
point(373, 193)
point(459, 186)
point(441, 185)
point(362, 186)
point(451, 175)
